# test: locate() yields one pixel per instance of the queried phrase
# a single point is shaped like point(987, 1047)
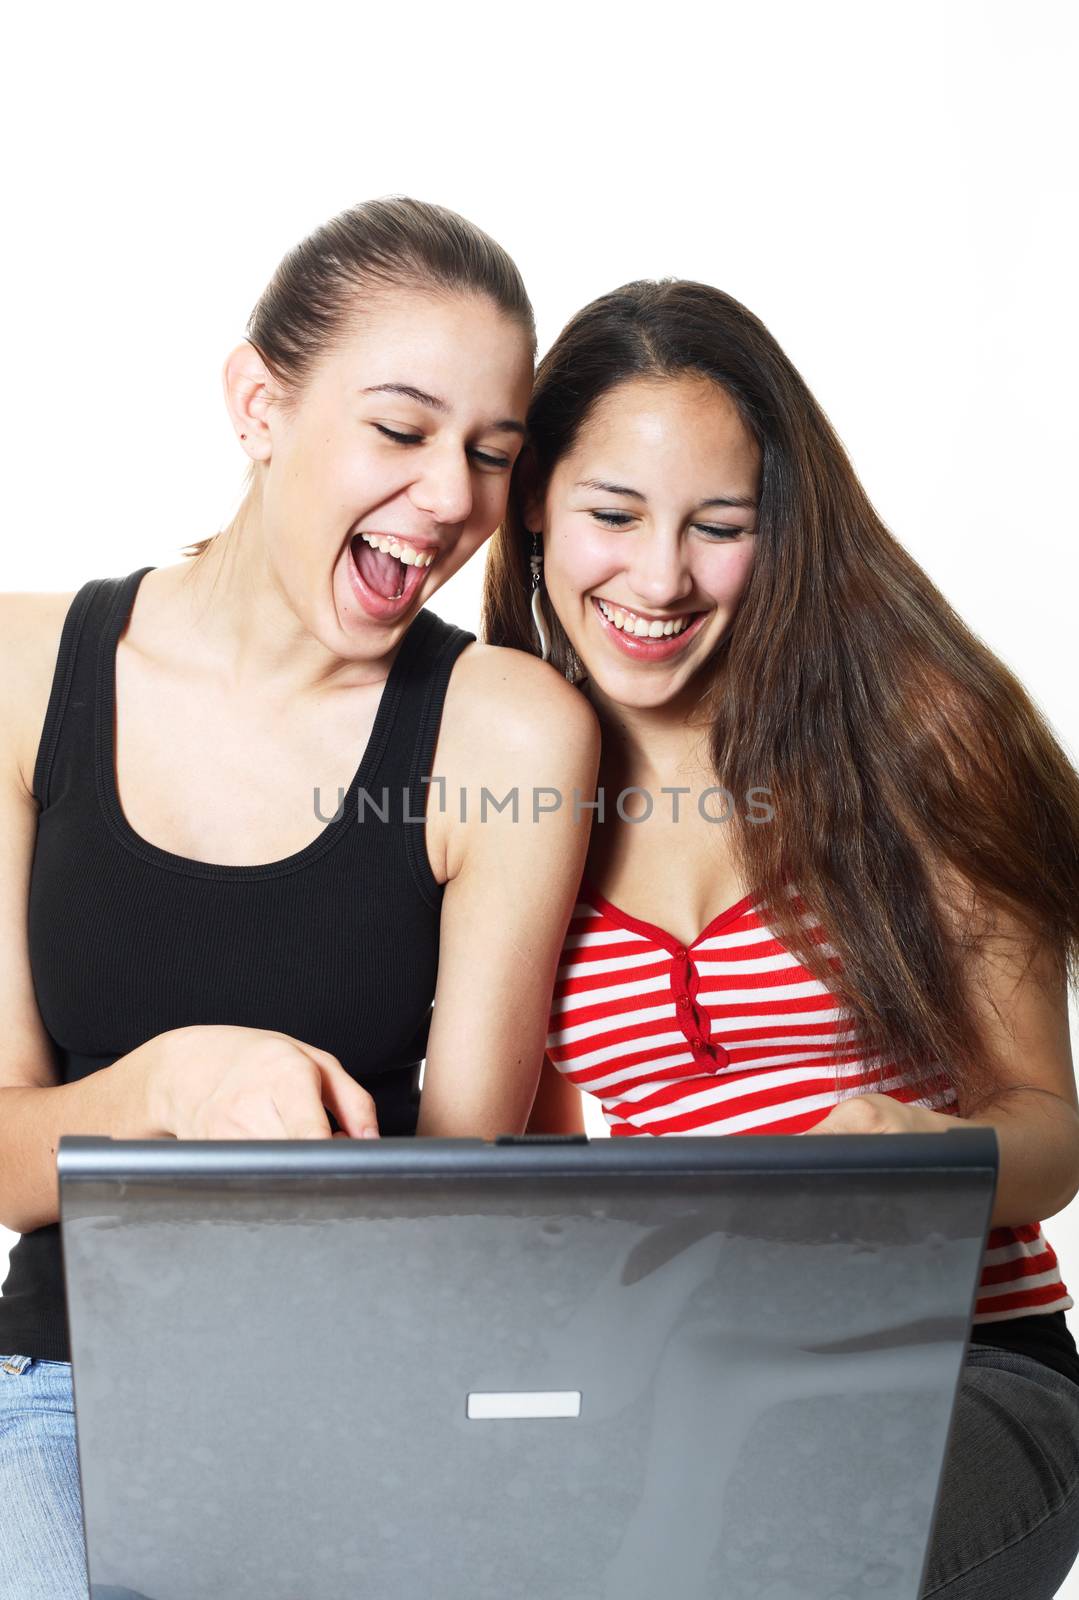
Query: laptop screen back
point(691, 1367)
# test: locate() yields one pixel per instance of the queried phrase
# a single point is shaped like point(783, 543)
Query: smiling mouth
point(383, 562)
point(638, 626)
point(411, 555)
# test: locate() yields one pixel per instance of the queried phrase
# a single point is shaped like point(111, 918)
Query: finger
point(301, 1102)
point(351, 1105)
point(302, 1116)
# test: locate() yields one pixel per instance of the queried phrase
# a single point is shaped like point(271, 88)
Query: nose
point(444, 491)
point(659, 572)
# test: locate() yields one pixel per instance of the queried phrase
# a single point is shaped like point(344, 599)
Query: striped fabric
point(732, 1035)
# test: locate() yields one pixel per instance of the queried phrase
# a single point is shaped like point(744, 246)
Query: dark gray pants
point(1007, 1525)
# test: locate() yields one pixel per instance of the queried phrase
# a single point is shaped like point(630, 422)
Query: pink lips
point(377, 605)
point(660, 649)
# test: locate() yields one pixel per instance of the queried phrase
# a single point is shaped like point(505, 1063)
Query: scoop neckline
point(105, 754)
point(651, 930)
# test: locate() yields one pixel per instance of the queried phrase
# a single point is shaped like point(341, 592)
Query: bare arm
point(1020, 995)
point(1017, 988)
point(1038, 1138)
point(189, 1082)
point(1018, 991)
point(510, 892)
point(34, 1110)
point(558, 1106)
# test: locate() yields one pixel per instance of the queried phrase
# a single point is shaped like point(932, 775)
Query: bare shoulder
point(502, 698)
point(510, 722)
point(30, 630)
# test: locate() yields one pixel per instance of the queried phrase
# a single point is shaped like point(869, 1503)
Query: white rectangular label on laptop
point(540, 1403)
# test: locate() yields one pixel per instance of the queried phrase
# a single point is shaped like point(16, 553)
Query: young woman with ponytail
point(216, 924)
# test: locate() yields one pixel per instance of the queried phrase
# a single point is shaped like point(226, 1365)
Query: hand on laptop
point(219, 1082)
point(882, 1113)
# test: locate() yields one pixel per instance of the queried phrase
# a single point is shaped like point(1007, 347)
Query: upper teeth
point(642, 627)
point(403, 552)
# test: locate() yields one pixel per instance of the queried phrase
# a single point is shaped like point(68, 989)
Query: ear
point(249, 389)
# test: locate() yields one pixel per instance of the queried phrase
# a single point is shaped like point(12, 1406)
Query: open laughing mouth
point(386, 570)
point(647, 638)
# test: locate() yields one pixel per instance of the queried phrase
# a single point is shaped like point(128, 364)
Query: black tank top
point(336, 945)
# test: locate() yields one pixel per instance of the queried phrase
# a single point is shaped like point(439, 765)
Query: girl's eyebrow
point(410, 393)
point(745, 502)
point(433, 403)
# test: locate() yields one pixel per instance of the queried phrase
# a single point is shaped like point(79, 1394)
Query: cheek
point(579, 561)
point(360, 483)
point(472, 539)
point(490, 500)
point(729, 572)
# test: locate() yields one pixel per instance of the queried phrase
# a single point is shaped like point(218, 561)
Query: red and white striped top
point(731, 1034)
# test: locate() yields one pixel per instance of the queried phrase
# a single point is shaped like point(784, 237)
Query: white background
point(890, 189)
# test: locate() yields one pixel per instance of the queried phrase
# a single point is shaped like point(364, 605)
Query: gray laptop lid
point(691, 1367)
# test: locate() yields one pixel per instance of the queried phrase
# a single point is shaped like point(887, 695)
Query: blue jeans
point(41, 1547)
point(1007, 1524)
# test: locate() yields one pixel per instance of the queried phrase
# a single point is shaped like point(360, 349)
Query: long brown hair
point(391, 243)
point(917, 789)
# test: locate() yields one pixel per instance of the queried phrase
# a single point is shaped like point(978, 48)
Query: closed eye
point(497, 463)
point(401, 438)
point(622, 519)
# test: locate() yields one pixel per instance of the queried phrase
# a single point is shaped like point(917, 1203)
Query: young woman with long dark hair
point(834, 883)
point(190, 948)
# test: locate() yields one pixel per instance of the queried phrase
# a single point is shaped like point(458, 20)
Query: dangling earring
point(536, 563)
